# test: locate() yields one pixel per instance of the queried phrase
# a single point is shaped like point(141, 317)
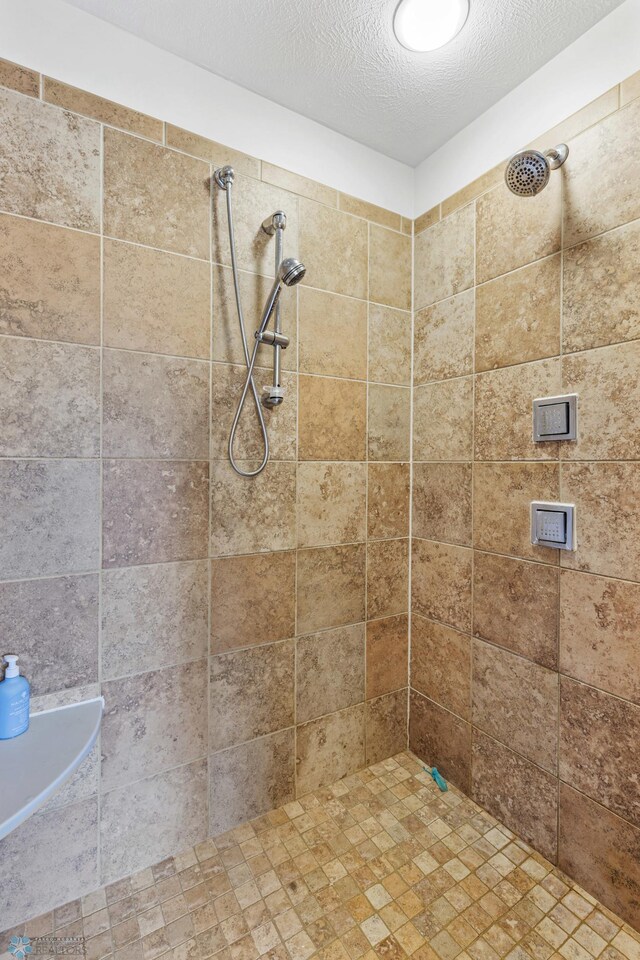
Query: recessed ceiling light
point(422, 25)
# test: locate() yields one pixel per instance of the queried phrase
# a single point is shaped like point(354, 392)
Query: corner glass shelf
point(37, 763)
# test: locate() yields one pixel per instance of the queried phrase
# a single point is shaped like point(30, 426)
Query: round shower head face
point(527, 173)
point(292, 271)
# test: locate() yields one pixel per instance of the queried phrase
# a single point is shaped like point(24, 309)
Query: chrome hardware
point(224, 176)
point(273, 339)
point(553, 525)
point(277, 221)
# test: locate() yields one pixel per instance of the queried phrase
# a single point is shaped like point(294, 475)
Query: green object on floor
point(440, 781)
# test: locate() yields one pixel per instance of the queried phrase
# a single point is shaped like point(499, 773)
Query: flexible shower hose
point(249, 361)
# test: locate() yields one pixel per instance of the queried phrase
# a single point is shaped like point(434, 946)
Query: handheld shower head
point(291, 271)
point(528, 172)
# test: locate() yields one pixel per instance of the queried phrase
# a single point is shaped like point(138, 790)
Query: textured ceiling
point(337, 61)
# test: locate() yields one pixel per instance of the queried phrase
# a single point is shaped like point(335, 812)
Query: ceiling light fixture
point(422, 25)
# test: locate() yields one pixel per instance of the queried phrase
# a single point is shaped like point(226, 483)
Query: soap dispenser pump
point(14, 701)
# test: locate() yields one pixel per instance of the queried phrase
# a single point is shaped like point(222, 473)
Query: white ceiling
point(337, 61)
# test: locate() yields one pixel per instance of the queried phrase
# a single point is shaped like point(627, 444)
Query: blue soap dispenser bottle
point(14, 701)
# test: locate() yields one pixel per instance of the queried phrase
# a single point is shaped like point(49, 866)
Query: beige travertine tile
point(387, 578)
point(516, 701)
point(386, 726)
point(473, 190)
point(599, 177)
point(155, 301)
point(443, 420)
point(608, 388)
point(215, 153)
point(252, 600)
point(598, 620)
point(254, 289)
point(426, 219)
point(66, 866)
point(51, 511)
point(251, 779)
point(19, 78)
point(304, 187)
point(389, 267)
point(53, 623)
point(253, 202)
point(334, 248)
point(441, 502)
point(387, 655)
point(153, 616)
point(389, 345)
point(600, 291)
point(520, 794)
point(587, 760)
point(332, 502)
point(331, 419)
point(606, 498)
point(51, 163)
point(152, 721)
point(333, 334)
point(441, 582)
point(389, 411)
point(268, 671)
point(503, 404)
point(443, 258)
point(51, 282)
point(113, 114)
point(319, 871)
point(518, 316)
point(440, 738)
point(155, 196)
point(369, 211)
point(388, 500)
point(154, 511)
point(601, 851)
point(630, 88)
point(330, 748)
point(441, 665)
point(515, 604)
point(502, 493)
point(511, 232)
point(154, 406)
point(256, 515)
point(330, 669)
point(50, 398)
point(443, 339)
point(151, 819)
point(227, 384)
point(330, 587)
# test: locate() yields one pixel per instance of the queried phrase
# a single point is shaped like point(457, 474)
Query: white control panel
point(553, 525)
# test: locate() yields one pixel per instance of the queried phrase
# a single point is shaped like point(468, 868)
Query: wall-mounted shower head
point(528, 172)
point(291, 271)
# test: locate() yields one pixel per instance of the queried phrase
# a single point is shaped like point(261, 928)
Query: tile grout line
point(411, 487)
point(209, 490)
point(101, 507)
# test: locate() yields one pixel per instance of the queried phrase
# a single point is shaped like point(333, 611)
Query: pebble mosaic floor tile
point(379, 866)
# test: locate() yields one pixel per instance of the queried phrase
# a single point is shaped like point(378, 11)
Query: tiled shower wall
point(525, 661)
point(249, 636)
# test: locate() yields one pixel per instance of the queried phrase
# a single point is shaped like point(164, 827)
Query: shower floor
point(378, 865)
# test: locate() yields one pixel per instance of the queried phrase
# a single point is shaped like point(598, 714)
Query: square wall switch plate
point(553, 525)
point(555, 418)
